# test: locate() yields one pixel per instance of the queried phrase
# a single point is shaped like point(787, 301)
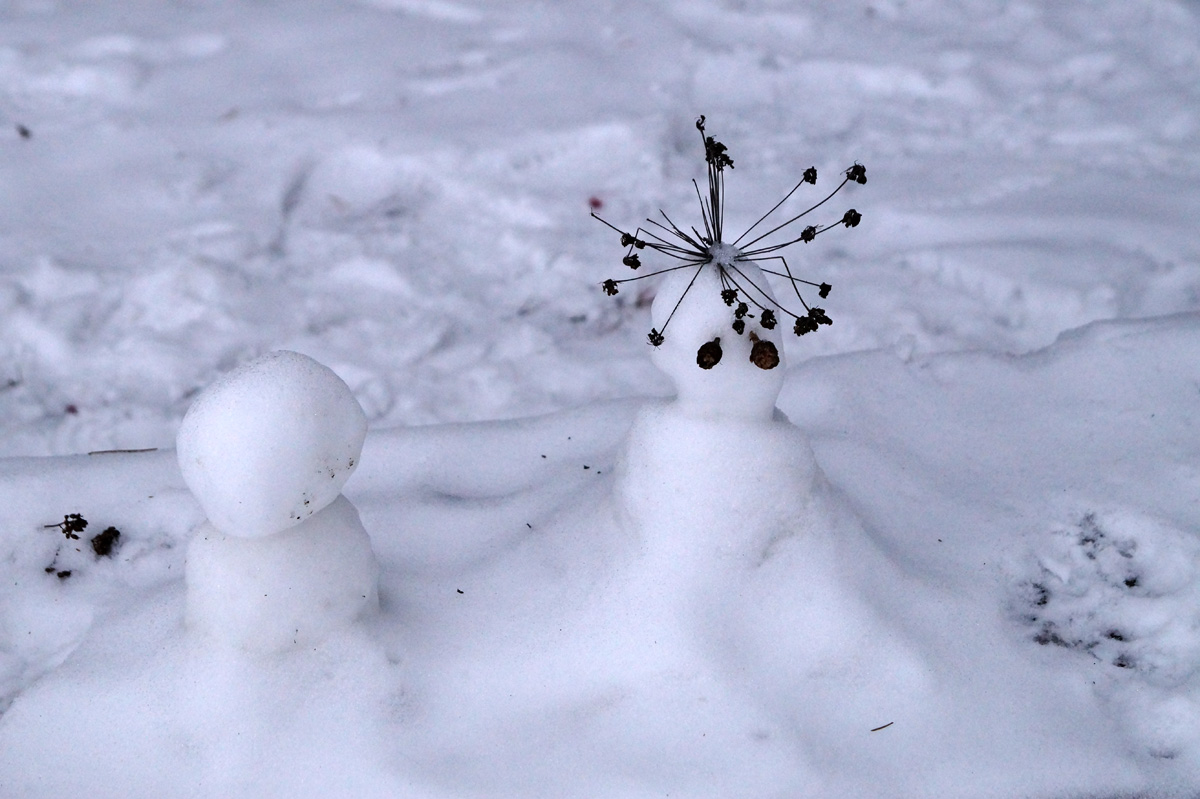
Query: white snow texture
point(962, 559)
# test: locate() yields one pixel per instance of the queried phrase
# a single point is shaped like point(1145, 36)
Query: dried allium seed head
point(704, 248)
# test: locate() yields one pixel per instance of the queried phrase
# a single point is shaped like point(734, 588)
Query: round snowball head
point(270, 444)
point(293, 588)
point(717, 370)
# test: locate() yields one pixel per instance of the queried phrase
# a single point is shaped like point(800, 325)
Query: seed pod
point(709, 354)
point(764, 355)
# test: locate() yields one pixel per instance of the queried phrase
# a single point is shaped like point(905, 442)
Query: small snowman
point(718, 477)
point(721, 452)
point(283, 558)
point(714, 472)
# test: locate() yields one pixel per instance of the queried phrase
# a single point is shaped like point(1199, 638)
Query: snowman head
point(270, 443)
point(721, 366)
point(716, 310)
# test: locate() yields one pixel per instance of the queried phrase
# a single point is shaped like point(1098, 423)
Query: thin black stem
point(817, 231)
point(781, 274)
point(721, 214)
point(768, 213)
point(691, 282)
point(662, 271)
point(605, 222)
point(667, 247)
point(675, 229)
point(750, 297)
point(768, 296)
point(798, 216)
point(792, 280)
point(704, 214)
point(664, 246)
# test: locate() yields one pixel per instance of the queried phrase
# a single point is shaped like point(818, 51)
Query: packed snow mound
point(292, 588)
point(626, 599)
point(270, 444)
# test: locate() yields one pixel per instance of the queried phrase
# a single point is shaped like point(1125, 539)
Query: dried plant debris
point(104, 543)
point(1120, 588)
point(71, 526)
point(696, 249)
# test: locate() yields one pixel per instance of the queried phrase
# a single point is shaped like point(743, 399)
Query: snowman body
point(283, 559)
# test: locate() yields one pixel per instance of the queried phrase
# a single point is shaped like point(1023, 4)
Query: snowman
point(715, 481)
point(718, 472)
point(283, 559)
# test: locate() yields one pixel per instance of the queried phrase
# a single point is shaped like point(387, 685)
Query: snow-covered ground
point(1001, 558)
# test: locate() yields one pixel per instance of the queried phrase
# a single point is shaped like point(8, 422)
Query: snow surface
point(992, 546)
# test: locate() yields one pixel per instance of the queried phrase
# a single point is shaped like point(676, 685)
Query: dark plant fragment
point(71, 525)
point(103, 543)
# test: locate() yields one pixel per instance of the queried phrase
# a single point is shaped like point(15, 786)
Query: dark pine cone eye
point(764, 355)
point(709, 354)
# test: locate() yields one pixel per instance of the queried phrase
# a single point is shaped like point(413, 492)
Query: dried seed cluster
point(696, 249)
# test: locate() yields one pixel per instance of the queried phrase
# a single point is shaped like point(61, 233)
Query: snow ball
point(715, 379)
point(270, 444)
point(293, 588)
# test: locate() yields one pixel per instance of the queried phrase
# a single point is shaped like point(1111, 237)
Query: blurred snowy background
point(401, 188)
